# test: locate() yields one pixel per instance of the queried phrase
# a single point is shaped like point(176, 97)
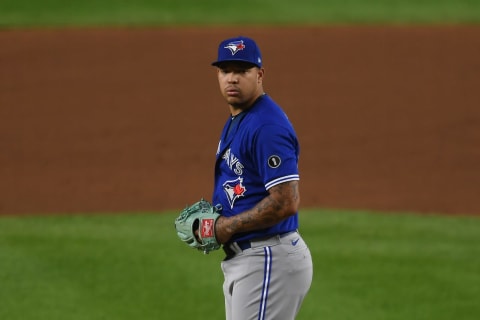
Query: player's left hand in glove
point(200, 217)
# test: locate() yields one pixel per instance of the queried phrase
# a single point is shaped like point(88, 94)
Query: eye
point(240, 71)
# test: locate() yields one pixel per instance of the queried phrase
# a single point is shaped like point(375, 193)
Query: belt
point(244, 245)
point(233, 248)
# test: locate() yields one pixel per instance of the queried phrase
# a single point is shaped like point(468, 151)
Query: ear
point(260, 73)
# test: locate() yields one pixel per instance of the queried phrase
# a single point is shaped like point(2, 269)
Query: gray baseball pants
point(269, 280)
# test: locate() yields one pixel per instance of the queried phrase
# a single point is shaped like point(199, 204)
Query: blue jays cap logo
point(239, 49)
point(235, 46)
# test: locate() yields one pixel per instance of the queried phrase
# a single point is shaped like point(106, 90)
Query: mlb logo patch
point(207, 228)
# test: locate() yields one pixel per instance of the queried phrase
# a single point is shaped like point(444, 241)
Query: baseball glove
point(200, 217)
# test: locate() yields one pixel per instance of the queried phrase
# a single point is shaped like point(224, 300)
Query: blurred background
point(110, 116)
point(113, 105)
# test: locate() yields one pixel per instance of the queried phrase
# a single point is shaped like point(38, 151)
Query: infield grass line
point(60, 13)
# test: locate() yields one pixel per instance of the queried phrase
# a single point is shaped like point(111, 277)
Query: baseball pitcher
point(267, 266)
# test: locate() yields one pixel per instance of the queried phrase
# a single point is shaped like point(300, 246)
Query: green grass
point(21, 13)
point(132, 266)
point(102, 267)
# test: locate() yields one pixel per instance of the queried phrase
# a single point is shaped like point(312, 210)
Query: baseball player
point(268, 267)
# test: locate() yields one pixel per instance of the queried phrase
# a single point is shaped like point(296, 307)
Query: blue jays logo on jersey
point(234, 189)
point(235, 46)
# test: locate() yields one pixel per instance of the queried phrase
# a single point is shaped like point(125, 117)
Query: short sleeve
point(276, 154)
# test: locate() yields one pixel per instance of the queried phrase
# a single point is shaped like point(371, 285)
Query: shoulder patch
point(274, 161)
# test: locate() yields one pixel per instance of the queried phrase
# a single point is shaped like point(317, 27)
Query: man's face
point(240, 83)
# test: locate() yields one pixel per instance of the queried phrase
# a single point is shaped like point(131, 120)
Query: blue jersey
point(257, 150)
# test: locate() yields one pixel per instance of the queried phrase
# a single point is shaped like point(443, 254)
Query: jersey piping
point(280, 180)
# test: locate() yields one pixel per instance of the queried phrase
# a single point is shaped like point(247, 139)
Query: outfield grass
point(132, 266)
point(31, 13)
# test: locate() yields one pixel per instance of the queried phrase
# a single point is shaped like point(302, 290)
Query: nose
point(232, 78)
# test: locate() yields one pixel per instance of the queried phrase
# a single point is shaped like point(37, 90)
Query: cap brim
point(217, 63)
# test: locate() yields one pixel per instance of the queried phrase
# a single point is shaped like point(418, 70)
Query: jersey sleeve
point(276, 153)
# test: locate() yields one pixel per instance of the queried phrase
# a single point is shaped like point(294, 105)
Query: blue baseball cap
point(239, 49)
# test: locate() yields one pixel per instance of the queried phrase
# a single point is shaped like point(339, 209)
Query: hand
point(196, 236)
point(196, 226)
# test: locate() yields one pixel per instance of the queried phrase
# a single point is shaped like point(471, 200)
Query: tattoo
point(281, 203)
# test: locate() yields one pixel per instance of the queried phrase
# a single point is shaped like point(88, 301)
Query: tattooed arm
point(282, 202)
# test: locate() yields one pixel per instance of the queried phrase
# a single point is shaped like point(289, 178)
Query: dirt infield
point(129, 119)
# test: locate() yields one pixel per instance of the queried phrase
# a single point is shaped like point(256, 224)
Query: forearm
point(282, 202)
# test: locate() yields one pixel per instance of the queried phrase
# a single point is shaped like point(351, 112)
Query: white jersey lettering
point(232, 162)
